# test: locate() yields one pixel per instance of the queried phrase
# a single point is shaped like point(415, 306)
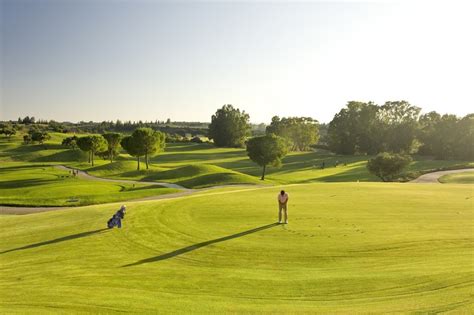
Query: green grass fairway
point(36, 185)
point(190, 176)
point(203, 165)
point(461, 178)
point(349, 248)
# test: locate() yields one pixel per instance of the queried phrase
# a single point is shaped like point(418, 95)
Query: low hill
point(35, 185)
point(190, 176)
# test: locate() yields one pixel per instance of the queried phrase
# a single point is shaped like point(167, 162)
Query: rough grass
point(349, 248)
point(36, 185)
point(461, 178)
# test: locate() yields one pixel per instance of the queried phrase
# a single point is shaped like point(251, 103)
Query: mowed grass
point(203, 165)
point(349, 248)
point(190, 163)
point(190, 176)
point(460, 178)
point(13, 150)
point(42, 185)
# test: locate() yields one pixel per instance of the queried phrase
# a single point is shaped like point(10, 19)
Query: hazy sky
point(131, 60)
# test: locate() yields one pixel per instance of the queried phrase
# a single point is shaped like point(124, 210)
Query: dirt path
point(433, 178)
point(126, 181)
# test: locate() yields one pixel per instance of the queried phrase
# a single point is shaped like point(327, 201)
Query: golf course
point(236, 157)
point(352, 244)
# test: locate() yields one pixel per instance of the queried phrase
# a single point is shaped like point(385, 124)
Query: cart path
point(86, 175)
point(433, 178)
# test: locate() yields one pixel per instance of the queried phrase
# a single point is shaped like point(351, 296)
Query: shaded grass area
point(190, 176)
point(42, 185)
point(461, 178)
point(350, 248)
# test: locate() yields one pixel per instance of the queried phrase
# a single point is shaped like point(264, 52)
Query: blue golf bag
point(114, 221)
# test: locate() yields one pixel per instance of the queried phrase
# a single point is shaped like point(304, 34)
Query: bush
point(388, 166)
point(196, 140)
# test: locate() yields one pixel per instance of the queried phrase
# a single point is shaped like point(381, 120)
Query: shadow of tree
point(199, 245)
point(24, 183)
point(57, 240)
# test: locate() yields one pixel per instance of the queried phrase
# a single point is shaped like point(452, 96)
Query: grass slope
point(349, 248)
point(461, 178)
point(190, 176)
point(36, 185)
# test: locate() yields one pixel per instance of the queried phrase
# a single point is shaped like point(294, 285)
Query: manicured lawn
point(199, 163)
point(349, 248)
point(42, 185)
point(461, 178)
point(203, 165)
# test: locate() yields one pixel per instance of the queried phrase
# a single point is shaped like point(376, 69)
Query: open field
point(348, 248)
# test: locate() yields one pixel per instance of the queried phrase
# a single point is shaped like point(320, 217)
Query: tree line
point(392, 130)
point(398, 127)
point(143, 142)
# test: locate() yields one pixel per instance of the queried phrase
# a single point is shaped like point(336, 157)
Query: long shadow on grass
point(56, 240)
point(188, 249)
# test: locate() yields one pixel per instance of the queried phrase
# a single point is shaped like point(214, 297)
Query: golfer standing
point(283, 205)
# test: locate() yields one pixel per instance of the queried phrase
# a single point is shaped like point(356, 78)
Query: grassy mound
point(51, 151)
point(190, 176)
point(36, 185)
point(202, 175)
point(460, 178)
point(349, 248)
point(111, 169)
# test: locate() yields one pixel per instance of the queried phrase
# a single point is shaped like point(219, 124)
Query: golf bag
point(113, 221)
point(116, 219)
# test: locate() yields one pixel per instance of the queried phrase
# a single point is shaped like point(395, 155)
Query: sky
point(74, 60)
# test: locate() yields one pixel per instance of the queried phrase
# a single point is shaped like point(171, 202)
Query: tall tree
point(7, 129)
point(301, 132)
point(355, 129)
point(144, 142)
point(85, 144)
point(400, 122)
point(465, 138)
point(229, 127)
point(70, 142)
point(98, 144)
point(426, 128)
point(267, 150)
point(40, 136)
point(149, 142)
point(365, 128)
point(132, 148)
point(113, 143)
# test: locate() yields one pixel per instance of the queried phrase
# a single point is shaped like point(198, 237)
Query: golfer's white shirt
point(282, 198)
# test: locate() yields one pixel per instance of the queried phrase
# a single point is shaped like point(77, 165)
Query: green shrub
point(388, 166)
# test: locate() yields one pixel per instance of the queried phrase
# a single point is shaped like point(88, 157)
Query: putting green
point(349, 248)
